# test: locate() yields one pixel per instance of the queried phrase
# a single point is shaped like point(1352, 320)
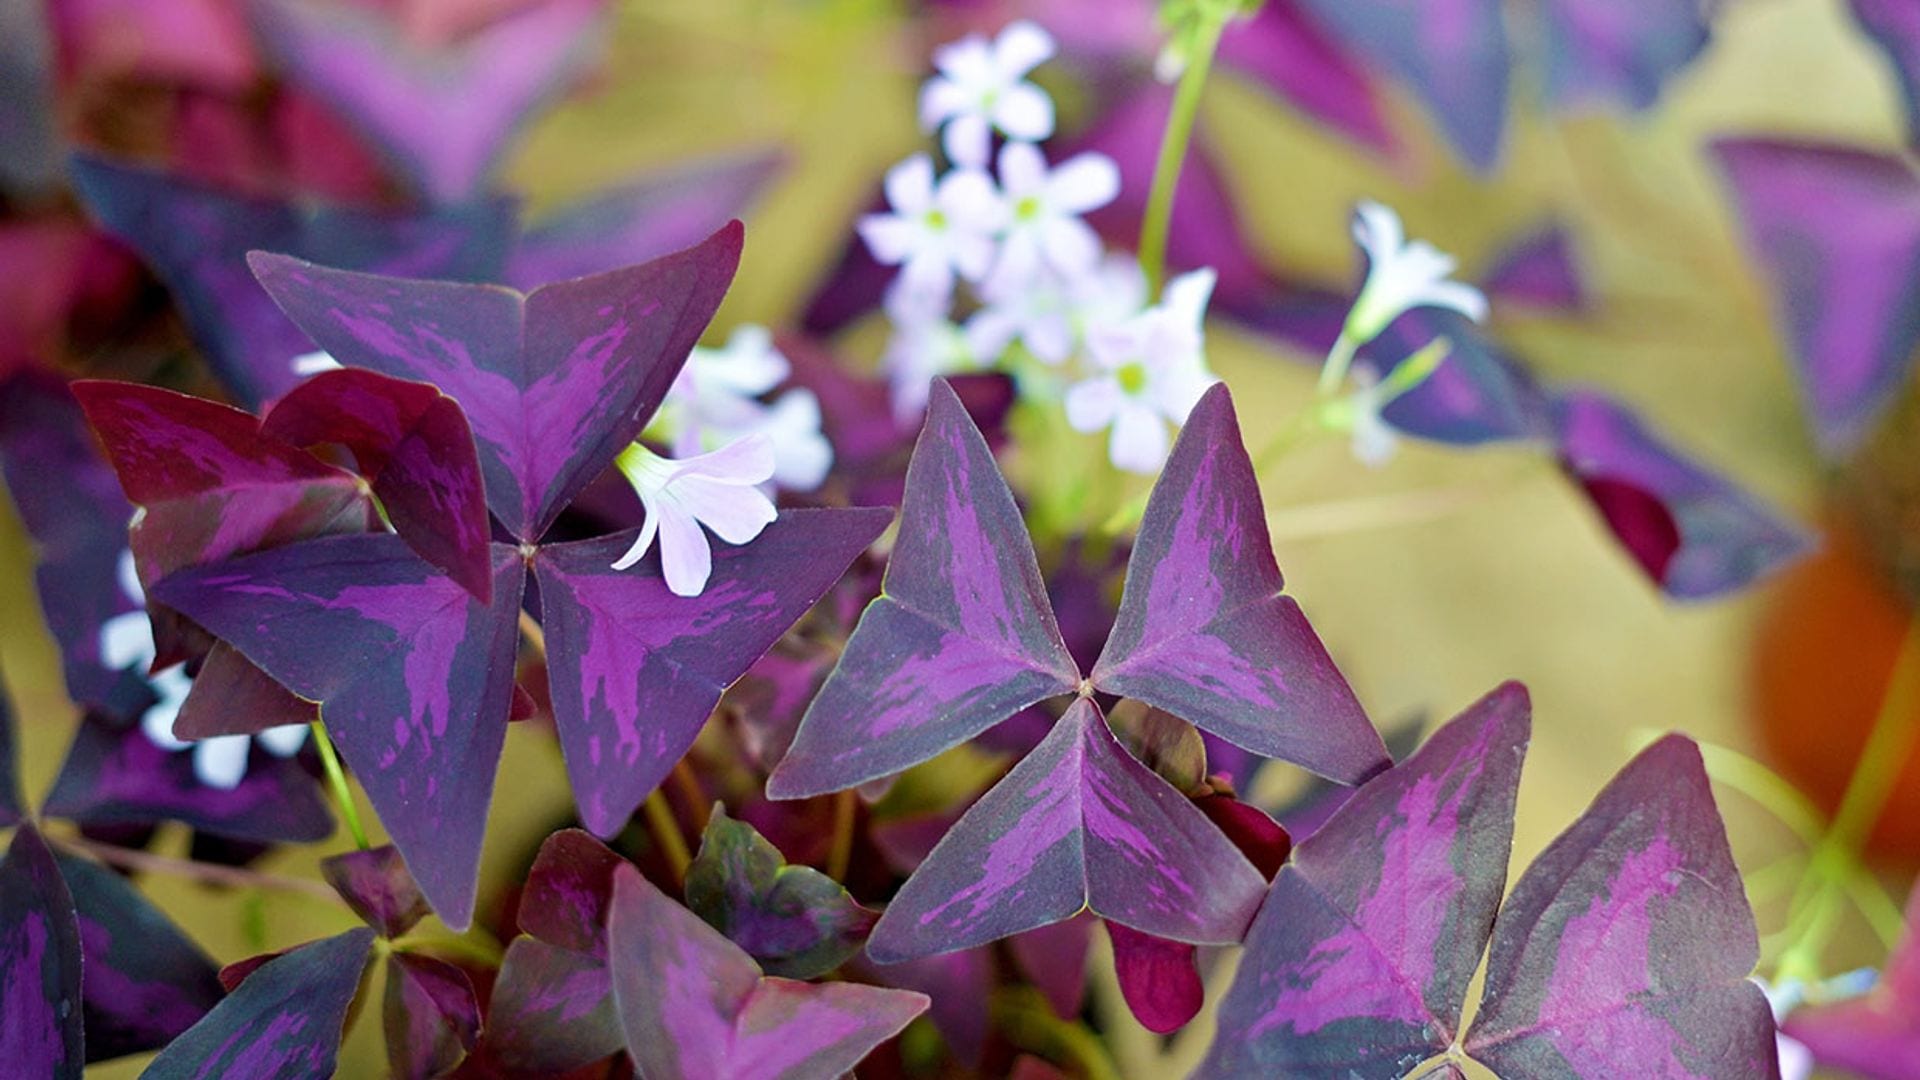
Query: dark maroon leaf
point(1158, 978)
point(412, 443)
point(1054, 959)
point(40, 958)
point(430, 1016)
point(795, 921)
point(1260, 838)
point(959, 988)
point(376, 885)
point(230, 696)
point(565, 902)
point(555, 382)
point(283, 1022)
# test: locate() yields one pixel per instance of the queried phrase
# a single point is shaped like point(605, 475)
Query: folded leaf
point(284, 1021)
point(376, 885)
point(415, 685)
point(1203, 631)
point(961, 638)
point(1359, 962)
point(431, 1018)
point(1625, 949)
point(39, 964)
point(795, 921)
point(230, 696)
point(1617, 52)
point(444, 116)
point(568, 889)
point(555, 382)
point(551, 1010)
point(695, 1007)
point(1077, 824)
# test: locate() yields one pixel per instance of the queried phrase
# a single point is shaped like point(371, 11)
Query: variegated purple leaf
point(1837, 232)
point(230, 696)
point(415, 685)
point(1617, 52)
point(1876, 1035)
point(197, 238)
point(654, 216)
point(412, 443)
point(795, 921)
point(555, 382)
point(1895, 26)
point(1453, 54)
point(959, 988)
point(40, 958)
point(1359, 962)
point(1625, 949)
point(146, 982)
point(1203, 630)
point(376, 885)
point(634, 670)
point(1538, 270)
point(1077, 824)
point(71, 505)
point(430, 1016)
point(693, 1006)
point(565, 902)
point(1726, 538)
point(211, 483)
point(283, 1022)
point(115, 775)
point(961, 638)
point(551, 1010)
point(442, 115)
point(1478, 395)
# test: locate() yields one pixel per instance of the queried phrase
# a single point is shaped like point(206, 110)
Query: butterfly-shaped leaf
point(284, 1020)
point(1693, 532)
point(1617, 52)
point(443, 115)
point(1077, 824)
point(795, 921)
point(40, 962)
point(376, 885)
point(1837, 232)
point(555, 382)
point(413, 445)
point(1876, 1035)
point(197, 237)
point(430, 1016)
point(693, 1006)
point(1895, 27)
point(1359, 961)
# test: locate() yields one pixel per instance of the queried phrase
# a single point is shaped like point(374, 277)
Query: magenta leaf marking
point(1837, 232)
point(415, 686)
point(1876, 1035)
point(283, 1022)
point(552, 1009)
point(1625, 949)
point(635, 670)
point(413, 445)
point(443, 115)
point(693, 1006)
point(961, 637)
point(555, 382)
point(1359, 961)
point(430, 1017)
point(376, 885)
point(1203, 630)
point(1077, 824)
point(40, 959)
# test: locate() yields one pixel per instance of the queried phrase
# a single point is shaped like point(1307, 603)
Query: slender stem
point(698, 807)
point(211, 873)
point(845, 804)
point(337, 781)
point(666, 833)
point(1339, 358)
point(1173, 145)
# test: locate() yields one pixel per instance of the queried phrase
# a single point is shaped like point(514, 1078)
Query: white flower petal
point(1049, 337)
point(802, 454)
point(1023, 170)
point(969, 61)
point(1024, 112)
point(1022, 46)
point(685, 560)
point(126, 640)
point(968, 141)
point(221, 762)
point(1459, 297)
point(971, 202)
point(1072, 247)
point(1187, 296)
point(314, 363)
point(890, 237)
point(909, 185)
point(1139, 440)
point(940, 100)
point(284, 741)
point(1083, 182)
point(1092, 404)
point(157, 722)
point(735, 513)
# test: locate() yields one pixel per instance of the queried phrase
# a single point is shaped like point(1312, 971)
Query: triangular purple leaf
point(551, 1010)
point(197, 239)
point(283, 1021)
point(1625, 949)
point(1538, 270)
point(1837, 232)
point(443, 116)
point(693, 1006)
point(555, 382)
point(40, 958)
point(376, 885)
point(961, 638)
point(413, 445)
point(1617, 52)
point(1203, 630)
point(565, 902)
point(415, 685)
point(1359, 962)
point(230, 696)
point(634, 670)
point(430, 1016)
point(1077, 824)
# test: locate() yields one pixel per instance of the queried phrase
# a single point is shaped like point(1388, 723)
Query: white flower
point(1050, 315)
point(982, 86)
point(1043, 213)
point(717, 491)
point(1402, 276)
point(1374, 440)
point(920, 351)
point(934, 230)
point(1151, 372)
point(802, 456)
point(314, 363)
point(715, 400)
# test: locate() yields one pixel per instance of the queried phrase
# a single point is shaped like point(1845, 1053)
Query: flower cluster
point(998, 271)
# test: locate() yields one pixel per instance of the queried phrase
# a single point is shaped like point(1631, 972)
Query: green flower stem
point(1333, 373)
point(1212, 19)
point(337, 782)
point(666, 833)
point(840, 854)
